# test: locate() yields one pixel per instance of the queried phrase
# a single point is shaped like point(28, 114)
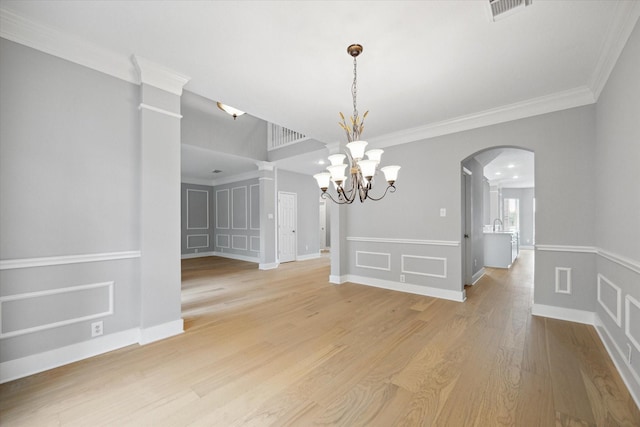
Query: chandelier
point(361, 171)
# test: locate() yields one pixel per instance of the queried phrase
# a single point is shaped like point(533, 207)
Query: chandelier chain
point(354, 87)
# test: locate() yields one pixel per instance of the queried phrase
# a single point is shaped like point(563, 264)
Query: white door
point(323, 224)
point(467, 241)
point(287, 214)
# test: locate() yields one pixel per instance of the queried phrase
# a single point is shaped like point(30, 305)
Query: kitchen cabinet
point(500, 248)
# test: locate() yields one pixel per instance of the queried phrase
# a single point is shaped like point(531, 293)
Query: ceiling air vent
point(499, 9)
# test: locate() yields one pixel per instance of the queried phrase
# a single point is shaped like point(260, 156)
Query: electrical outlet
point(96, 329)
point(402, 278)
point(629, 353)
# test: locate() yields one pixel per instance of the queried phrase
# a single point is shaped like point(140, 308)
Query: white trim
point(405, 241)
point(387, 268)
point(144, 106)
point(159, 76)
point(233, 246)
point(207, 204)
point(441, 276)
point(236, 178)
point(265, 166)
point(567, 248)
point(197, 235)
point(336, 280)
point(228, 198)
point(629, 263)
point(54, 42)
point(160, 332)
point(218, 245)
point(197, 255)
point(617, 315)
point(477, 276)
point(246, 219)
point(558, 101)
point(308, 257)
point(9, 264)
point(251, 227)
point(237, 257)
point(625, 18)
point(38, 294)
point(268, 266)
point(619, 360)
point(252, 246)
point(562, 313)
point(429, 291)
point(628, 300)
point(568, 289)
point(195, 181)
point(35, 363)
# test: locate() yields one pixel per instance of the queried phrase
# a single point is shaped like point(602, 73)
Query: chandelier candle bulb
point(356, 148)
point(390, 173)
point(375, 154)
point(323, 179)
point(368, 168)
point(337, 159)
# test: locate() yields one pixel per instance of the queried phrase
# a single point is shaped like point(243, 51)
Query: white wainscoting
point(373, 260)
point(254, 243)
point(405, 241)
point(239, 206)
point(222, 240)
point(222, 209)
point(613, 312)
point(254, 220)
point(427, 264)
point(9, 264)
point(239, 242)
point(563, 286)
point(631, 305)
point(8, 300)
point(206, 245)
point(198, 226)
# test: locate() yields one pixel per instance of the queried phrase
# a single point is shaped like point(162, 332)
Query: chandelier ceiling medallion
point(361, 171)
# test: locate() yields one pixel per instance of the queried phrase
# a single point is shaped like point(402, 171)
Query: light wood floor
point(284, 347)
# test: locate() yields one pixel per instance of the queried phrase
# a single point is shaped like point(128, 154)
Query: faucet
point(494, 224)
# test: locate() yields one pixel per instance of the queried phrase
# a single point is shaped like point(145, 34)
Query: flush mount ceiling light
point(230, 110)
point(361, 171)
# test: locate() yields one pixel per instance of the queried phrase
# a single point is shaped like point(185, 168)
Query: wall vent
point(499, 9)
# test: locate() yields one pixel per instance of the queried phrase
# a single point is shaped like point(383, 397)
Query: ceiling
point(424, 63)
point(510, 168)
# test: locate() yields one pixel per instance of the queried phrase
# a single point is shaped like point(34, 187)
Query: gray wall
point(236, 219)
point(618, 206)
point(563, 143)
point(308, 227)
point(525, 197)
point(69, 185)
point(205, 125)
point(197, 219)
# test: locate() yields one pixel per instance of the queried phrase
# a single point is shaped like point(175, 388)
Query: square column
point(268, 237)
point(160, 268)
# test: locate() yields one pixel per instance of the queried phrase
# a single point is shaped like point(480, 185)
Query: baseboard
point(336, 280)
point(237, 256)
point(477, 276)
point(629, 376)
point(428, 291)
point(268, 265)
point(160, 332)
point(307, 257)
point(197, 255)
point(33, 364)
point(561, 313)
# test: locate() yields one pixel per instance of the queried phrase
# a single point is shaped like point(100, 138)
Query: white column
point(268, 235)
point(160, 270)
point(338, 215)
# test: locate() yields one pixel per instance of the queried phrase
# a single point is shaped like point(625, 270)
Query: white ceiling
point(424, 63)
point(511, 168)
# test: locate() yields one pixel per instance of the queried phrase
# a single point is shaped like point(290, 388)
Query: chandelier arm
point(390, 187)
point(326, 195)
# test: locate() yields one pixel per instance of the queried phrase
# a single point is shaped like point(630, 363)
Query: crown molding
point(558, 101)
point(18, 29)
point(159, 76)
point(236, 178)
point(625, 18)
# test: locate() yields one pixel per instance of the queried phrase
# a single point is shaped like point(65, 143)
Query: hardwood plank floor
point(285, 347)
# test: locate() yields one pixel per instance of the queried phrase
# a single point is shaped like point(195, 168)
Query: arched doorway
point(498, 209)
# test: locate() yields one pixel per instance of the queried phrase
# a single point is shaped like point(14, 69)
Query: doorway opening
point(497, 210)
